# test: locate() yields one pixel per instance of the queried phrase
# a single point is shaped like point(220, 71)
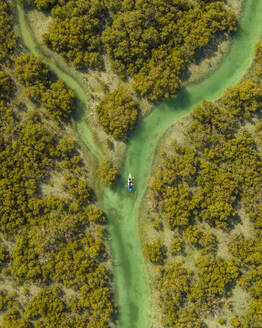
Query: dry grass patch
point(53, 186)
point(39, 21)
point(94, 83)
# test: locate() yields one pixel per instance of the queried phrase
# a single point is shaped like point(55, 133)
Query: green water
point(82, 101)
point(121, 206)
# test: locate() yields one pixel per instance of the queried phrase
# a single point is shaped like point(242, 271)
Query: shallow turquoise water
point(121, 207)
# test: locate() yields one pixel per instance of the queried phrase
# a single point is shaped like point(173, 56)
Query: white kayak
point(130, 182)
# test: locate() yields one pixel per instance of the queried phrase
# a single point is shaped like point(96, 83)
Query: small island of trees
point(150, 43)
point(54, 251)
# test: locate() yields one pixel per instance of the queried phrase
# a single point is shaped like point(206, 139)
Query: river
point(122, 207)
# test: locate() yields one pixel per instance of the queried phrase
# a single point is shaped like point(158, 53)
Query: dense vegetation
point(153, 42)
point(197, 192)
point(52, 233)
point(155, 251)
point(117, 113)
point(57, 234)
point(34, 74)
point(50, 246)
point(106, 172)
point(8, 40)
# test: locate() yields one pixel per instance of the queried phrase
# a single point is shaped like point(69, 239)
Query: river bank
point(176, 132)
point(97, 83)
point(123, 208)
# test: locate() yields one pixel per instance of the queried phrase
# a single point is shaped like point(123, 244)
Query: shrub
point(27, 3)
point(155, 252)
point(235, 323)
point(7, 300)
point(215, 279)
point(174, 283)
point(106, 172)
point(31, 70)
point(96, 215)
point(7, 86)
point(45, 4)
point(58, 100)
point(117, 113)
point(192, 235)
point(13, 319)
point(142, 44)
point(208, 242)
point(176, 246)
point(8, 39)
point(4, 255)
point(75, 30)
point(47, 305)
point(158, 225)
point(178, 206)
point(222, 321)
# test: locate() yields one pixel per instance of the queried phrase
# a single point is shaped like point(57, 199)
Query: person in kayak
point(130, 184)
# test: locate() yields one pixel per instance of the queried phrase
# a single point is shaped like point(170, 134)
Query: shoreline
point(131, 215)
point(87, 155)
point(93, 82)
point(174, 132)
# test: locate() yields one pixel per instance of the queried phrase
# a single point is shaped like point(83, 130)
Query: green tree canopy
point(106, 172)
point(8, 39)
point(13, 319)
point(58, 100)
point(117, 113)
point(7, 86)
point(31, 70)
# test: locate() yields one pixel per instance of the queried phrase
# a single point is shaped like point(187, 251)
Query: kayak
point(130, 183)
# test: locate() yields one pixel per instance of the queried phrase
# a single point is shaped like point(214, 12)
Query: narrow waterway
point(122, 207)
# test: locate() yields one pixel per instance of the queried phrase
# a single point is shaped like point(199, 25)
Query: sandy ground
point(96, 85)
point(239, 298)
point(214, 52)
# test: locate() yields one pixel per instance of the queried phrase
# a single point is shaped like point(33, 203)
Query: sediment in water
point(122, 207)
